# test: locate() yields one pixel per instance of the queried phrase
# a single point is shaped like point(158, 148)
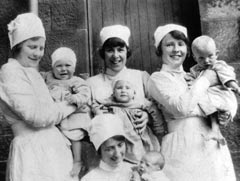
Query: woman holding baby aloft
point(115, 51)
point(188, 155)
point(38, 151)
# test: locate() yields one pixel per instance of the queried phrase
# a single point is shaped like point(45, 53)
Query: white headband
point(115, 31)
point(64, 53)
point(103, 127)
point(23, 27)
point(161, 31)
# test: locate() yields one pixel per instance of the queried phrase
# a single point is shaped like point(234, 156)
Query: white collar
point(108, 168)
point(109, 73)
point(166, 68)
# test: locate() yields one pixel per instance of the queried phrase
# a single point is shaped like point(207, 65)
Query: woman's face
point(115, 58)
point(174, 51)
point(113, 152)
point(32, 50)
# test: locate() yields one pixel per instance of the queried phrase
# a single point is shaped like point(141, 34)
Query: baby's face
point(123, 91)
point(205, 57)
point(63, 69)
point(148, 165)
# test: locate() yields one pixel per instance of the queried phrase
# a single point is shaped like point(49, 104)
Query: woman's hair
point(117, 138)
point(178, 35)
point(17, 48)
point(113, 42)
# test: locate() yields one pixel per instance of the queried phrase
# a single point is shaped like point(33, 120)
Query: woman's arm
point(174, 94)
point(18, 92)
point(81, 92)
point(145, 79)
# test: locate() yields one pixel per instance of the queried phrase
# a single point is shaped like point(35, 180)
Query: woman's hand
point(141, 121)
point(189, 78)
point(212, 77)
point(98, 108)
point(224, 117)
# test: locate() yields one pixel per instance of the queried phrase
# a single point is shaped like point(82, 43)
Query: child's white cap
point(64, 53)
point(23, 27)
point(161, 31)
point(105, 126)
point(115, 31)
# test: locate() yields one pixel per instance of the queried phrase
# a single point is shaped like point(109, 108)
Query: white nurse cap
point(23, 27)
point(115, 31)
point(161, 31)
point(105, 126)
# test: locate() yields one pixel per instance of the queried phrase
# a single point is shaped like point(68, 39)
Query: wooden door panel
point(142, 17)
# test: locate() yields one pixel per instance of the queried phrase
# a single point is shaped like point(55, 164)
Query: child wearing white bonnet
point(64, 53)
point(63, 85)
point(108, 137)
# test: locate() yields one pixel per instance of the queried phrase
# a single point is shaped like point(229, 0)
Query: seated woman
point(108, 138)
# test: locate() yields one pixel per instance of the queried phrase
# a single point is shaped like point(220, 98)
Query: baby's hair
point(202, 43)
point(158, 158)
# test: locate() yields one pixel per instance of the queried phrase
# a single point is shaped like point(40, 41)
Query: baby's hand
point(135, 176)
point(189, 78)
point(71, 99)
point(98, 108)
point(237, 91)
point(75, 89)
point(224, 117)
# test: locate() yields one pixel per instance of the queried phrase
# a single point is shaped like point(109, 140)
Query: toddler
point(150, 168)
point(123, 103)
point(205, 54)
point(63, 85)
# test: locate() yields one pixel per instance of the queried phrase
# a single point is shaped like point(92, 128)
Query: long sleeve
point(145, 79)
point(172, 92)
point(25, 92)
point(84, 93)
point(224, 71)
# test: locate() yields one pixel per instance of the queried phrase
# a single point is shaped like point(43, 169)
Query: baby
point(150, 168)
point(63, 85)
point(205, 54)
point(123, 103)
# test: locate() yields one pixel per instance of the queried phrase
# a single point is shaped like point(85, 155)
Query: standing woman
point(115, 51)
point(108, 138)
point(188, 155)
point(38, 151)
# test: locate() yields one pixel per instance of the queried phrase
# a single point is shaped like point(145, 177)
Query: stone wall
point(220, 19)
point(66, 24)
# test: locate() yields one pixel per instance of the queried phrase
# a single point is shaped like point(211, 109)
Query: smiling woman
point(108, 137)
point(32, 51)
point(114, 51)
point(188, 155)
point(38, 151)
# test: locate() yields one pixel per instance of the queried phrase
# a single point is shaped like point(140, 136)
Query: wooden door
point(142, 17)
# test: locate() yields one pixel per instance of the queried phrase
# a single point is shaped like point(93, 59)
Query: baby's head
point(63, 63)
point(150, 162)
point(123, 91)
point(204, 51)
